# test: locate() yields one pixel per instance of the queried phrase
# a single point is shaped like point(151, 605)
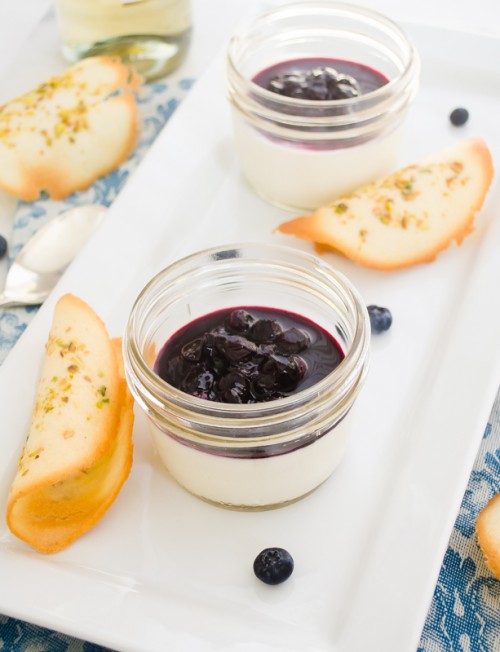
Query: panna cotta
point(246, 356)
point(319, 92)
point(273, 479)
point(247, 360)
point(301, 176)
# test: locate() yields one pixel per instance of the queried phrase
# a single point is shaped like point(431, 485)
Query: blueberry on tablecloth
point(3, 246)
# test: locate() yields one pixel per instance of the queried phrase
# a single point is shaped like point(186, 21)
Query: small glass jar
point(261, 455)
point(151, 36)
point(302, 153)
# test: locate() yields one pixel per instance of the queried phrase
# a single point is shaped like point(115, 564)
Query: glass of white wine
point(152, 36)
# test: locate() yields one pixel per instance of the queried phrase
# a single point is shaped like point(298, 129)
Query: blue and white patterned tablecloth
point(156, 103)
point(465, 612)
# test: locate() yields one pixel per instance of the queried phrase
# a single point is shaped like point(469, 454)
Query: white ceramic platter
point(165, 571)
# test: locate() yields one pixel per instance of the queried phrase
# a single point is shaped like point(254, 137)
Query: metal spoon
point(43, 259)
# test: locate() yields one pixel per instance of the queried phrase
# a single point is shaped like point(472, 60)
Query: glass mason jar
point(152, 36)
point(260, 455)
point(302, 153)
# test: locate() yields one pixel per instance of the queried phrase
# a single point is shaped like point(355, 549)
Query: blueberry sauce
point(320, 79)
point(313, 80)
point(247, 355)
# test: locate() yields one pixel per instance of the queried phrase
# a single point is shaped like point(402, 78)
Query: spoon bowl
point(46, 255)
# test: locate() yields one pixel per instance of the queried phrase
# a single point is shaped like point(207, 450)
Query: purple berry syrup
point(247, 355)
point(317, 80)
point(297, 75)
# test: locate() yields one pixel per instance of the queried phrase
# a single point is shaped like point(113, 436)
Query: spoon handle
point(5, 302)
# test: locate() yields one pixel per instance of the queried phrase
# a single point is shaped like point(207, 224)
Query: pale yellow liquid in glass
point(150, 35)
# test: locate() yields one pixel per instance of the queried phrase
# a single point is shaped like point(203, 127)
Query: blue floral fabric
point(465, 612)
point(18, 636)
point(156, 103)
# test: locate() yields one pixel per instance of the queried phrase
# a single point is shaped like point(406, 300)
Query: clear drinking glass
point(152, 36)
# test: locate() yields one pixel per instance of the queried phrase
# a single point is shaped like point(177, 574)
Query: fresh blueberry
point(273, 565)
point(459, 116)
point(380, 319)
point(3, 246)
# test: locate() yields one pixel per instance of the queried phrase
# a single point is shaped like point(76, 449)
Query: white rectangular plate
point(163, 570)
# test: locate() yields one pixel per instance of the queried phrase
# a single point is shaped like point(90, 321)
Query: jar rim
point(395, 86)
point(158, 390)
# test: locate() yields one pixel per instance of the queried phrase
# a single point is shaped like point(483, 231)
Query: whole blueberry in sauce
point(247, 355)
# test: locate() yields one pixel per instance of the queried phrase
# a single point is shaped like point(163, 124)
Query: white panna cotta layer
point(257, 482)
point(303, 178)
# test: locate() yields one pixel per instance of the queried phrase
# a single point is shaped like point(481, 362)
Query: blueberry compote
point(320, 79)
point(247, 355)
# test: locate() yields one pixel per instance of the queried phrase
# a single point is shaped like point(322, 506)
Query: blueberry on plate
point(459, 116)
point(380, 319)
point(273, 565)
point(3, 246)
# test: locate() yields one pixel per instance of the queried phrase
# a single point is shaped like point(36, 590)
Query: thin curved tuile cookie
point(78, 452)
point(488, 533)
point(408, 217)
point(69, 131)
